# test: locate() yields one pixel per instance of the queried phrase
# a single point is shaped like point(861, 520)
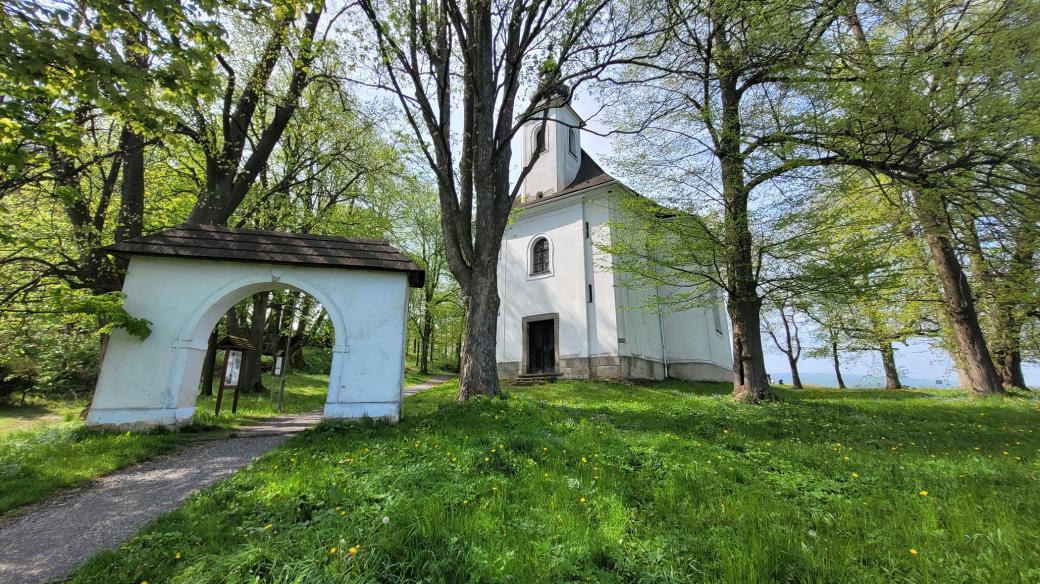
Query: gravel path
point(53, 537)
point(434, 381)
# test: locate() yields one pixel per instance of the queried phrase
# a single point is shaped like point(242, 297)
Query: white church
point(564, 310)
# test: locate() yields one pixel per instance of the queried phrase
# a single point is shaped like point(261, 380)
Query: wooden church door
point(541, 346)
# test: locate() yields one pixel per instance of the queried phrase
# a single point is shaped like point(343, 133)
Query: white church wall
point(603, 332)
point(692, 340)
point(563, 292)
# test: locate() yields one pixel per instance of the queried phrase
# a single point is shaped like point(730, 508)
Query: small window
point(572, 142)
point(540, 257)
point(539, 140)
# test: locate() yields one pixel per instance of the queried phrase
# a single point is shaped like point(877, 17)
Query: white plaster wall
point(691, 337)
point(557, 167)
point(562, 292)
point(642, 323)
point(155, 381)
point(603, 312)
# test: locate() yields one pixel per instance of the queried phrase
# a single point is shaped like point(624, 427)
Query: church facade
point(565, 311)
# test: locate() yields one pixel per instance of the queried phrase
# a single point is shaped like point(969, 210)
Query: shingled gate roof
point(209, 242)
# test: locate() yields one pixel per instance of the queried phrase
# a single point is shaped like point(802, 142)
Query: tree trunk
point(458, 352)
point(425, 344)
point(837, 365)
point(750, 383)
point(796, 381)
point(479, 372)
point(250, 379)
point(209, 364)
point(130, 222)
point(228, 176)
point(888, 361)
point(959, 303)
point(1007, 343)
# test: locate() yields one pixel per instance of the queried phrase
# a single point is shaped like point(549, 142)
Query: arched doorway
point(274, 327)
point(183, 280)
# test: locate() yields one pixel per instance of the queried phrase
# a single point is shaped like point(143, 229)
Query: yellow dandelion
point(465, 501)
point(913, 552)
point(583, 459)
point(855, 475)
point(332, 550)
point(486, 459)
point(268, 526)
point(923, 493)
point(1005, 453)
point(177, 556)
point(353, 550)
point(492, 451)
point(582, 500)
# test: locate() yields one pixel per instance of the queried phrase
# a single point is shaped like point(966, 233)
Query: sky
point(920, 364)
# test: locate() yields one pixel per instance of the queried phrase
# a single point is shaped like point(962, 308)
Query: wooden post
point(220, 386)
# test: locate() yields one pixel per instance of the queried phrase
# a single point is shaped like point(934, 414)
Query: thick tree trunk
point(888, 361)
point(209, 364)
point(479, 371)
point(130, 222)
point(837, 365)
point(959, 303)
point(750, 383)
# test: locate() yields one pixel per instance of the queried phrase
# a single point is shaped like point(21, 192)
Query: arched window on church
point(540, 257)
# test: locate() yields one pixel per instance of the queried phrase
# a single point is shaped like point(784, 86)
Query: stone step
point(537, 378)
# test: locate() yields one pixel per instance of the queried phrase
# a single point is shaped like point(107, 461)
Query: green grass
point(58, 451)
point(36, 463)
point(304, 393)
point(37, 413)
point(584, 481)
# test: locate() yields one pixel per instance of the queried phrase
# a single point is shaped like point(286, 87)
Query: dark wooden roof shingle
point(210, 242)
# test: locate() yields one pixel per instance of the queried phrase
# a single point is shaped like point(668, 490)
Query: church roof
point(210, 242)
point(589, 175)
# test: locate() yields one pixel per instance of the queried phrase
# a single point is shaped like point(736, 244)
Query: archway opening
point(270, 353)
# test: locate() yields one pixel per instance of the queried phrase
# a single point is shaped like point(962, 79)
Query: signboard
point(277, 365)
point(231, 370)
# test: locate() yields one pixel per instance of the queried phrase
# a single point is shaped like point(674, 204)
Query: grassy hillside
point(581, 481)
